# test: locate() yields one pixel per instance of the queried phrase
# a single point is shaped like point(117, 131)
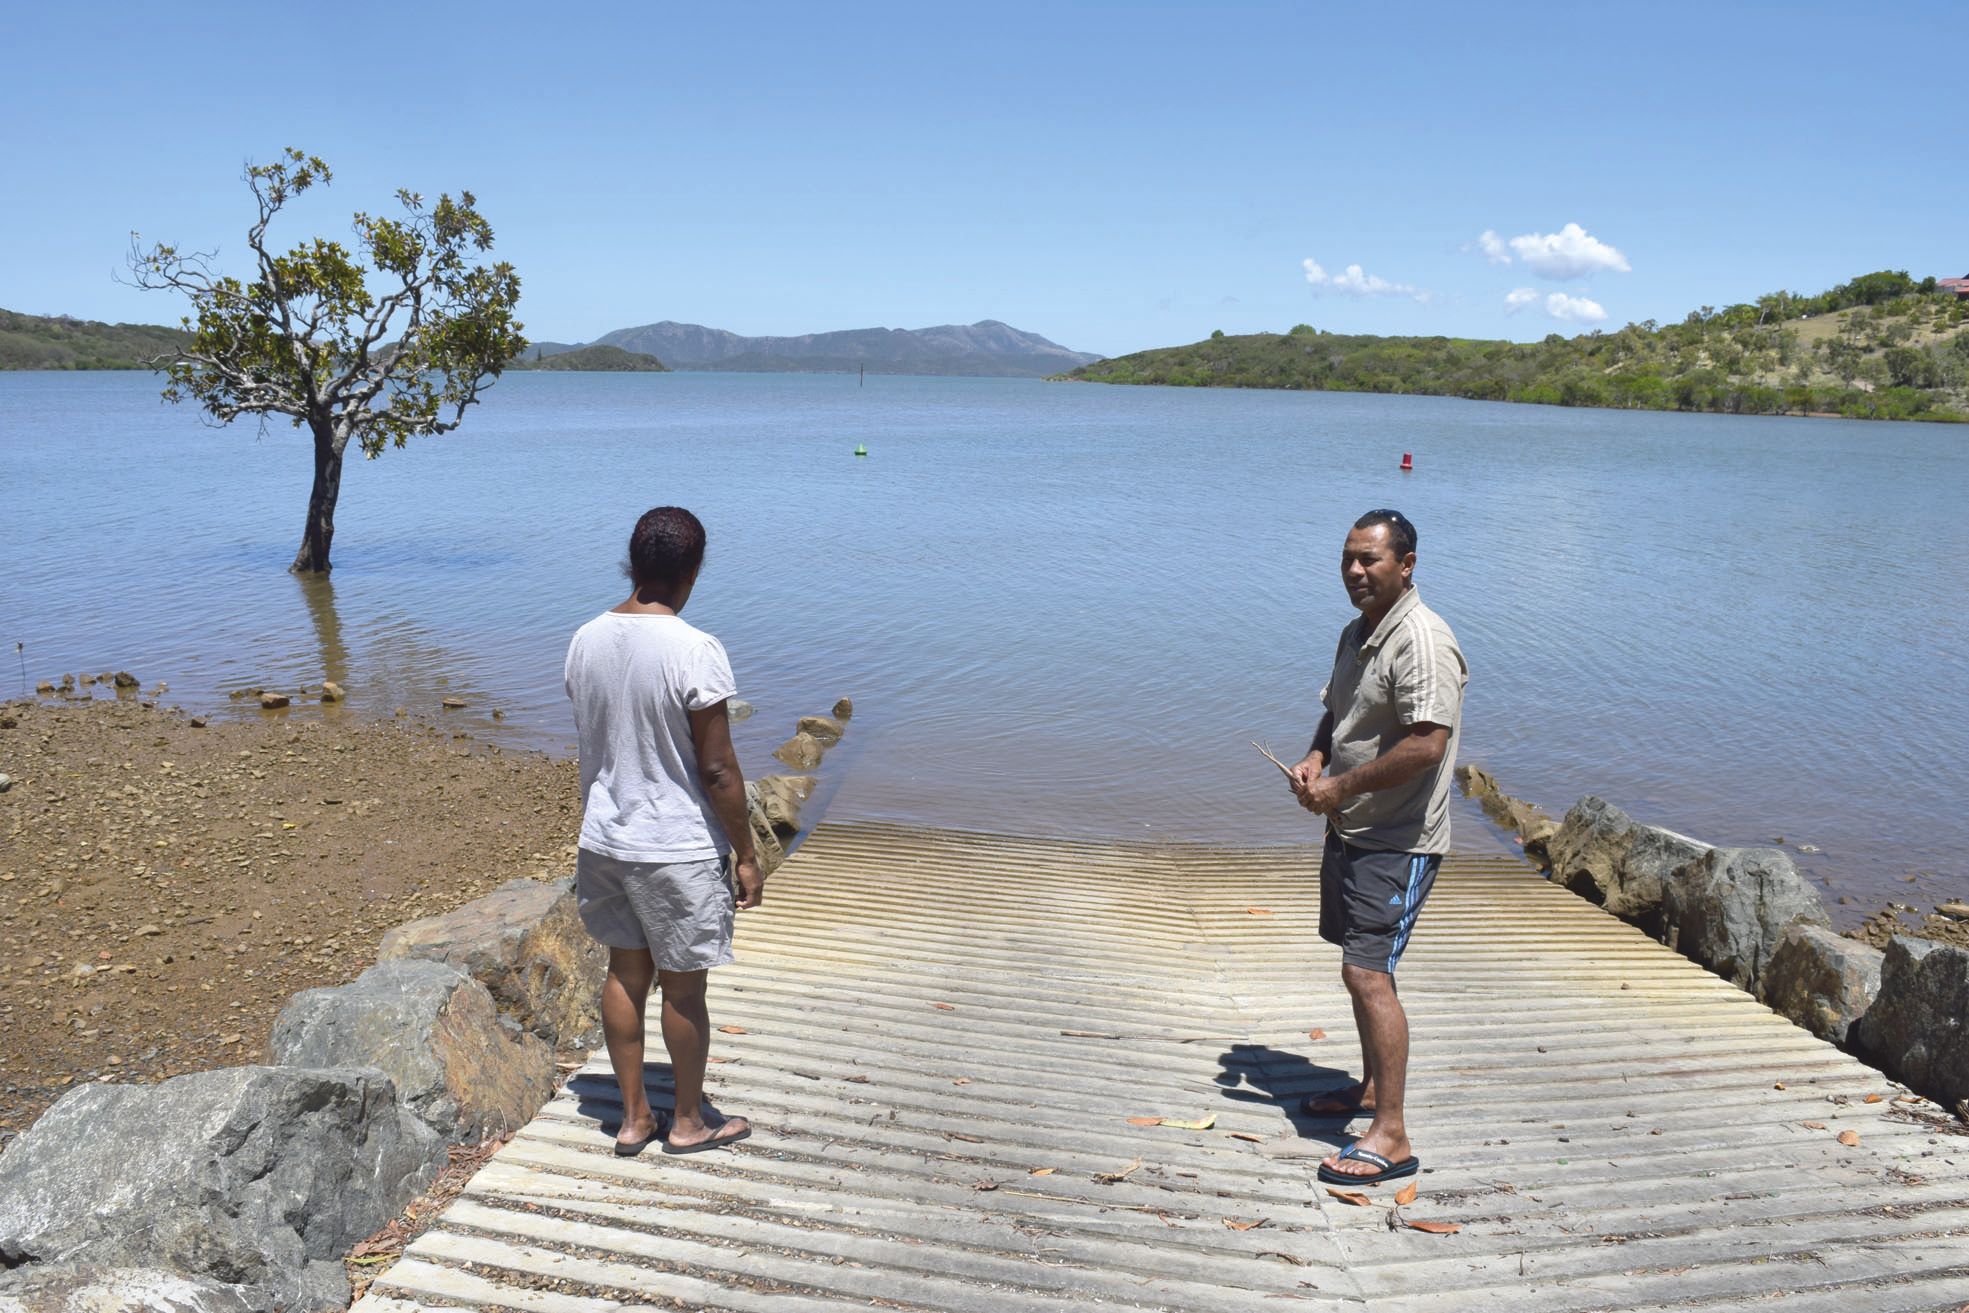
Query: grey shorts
point(1369, 901)
point(680, 911)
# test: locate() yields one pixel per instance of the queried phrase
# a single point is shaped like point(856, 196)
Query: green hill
point(607, 359)
point(38, 342)
point(1880, 347)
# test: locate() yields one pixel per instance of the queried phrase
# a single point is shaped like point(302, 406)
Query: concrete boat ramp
point(946, 1035)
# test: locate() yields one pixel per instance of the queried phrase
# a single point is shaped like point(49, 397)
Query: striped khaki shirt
point(1408, 672)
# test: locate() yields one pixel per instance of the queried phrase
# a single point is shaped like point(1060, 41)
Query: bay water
point(1065, 609)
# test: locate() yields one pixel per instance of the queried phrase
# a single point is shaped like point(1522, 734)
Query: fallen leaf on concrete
point(857, 1080)
point(1871, 1098)
point(1042, 1171)
point(1273, 1253)
point(1435, 1228)
point(1406, 1195)
point(1115, 1178)
point(1354, 1197)
point(1088, 1034)
point(1247, 1135)
point(732, 1030)
point(1778, 1086)
point(962, 1080)
point(944, 1007)
point(1252, 1225)
point(1259, 911)
point(1145, 1121)
point(1200, 1124)
point(1849, 1138)
point(1813, 1126)
point(1315, 1034)
point(982, 1186)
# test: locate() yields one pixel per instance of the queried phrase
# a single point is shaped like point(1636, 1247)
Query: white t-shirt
point(633, 679)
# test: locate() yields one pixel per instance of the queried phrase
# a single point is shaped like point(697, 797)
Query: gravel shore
point(166, 886)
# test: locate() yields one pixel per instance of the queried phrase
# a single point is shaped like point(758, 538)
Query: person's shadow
point(601, 1099)
point(1259, 1073)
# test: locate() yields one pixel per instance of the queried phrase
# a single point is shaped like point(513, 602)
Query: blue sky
point(1114, 176)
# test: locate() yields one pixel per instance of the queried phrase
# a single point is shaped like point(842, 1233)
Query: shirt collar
point(1410, 599)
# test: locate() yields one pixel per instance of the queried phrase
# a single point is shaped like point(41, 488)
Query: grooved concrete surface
point(932, 1019)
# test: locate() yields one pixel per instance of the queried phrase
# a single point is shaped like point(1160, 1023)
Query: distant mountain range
point(986, 348)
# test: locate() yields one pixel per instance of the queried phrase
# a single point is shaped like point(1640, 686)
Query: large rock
point(1728, 907)
point(259, 1177)
point(1823, 981)
point(524, 941)
point(434, 1031)
point(825, 729)
point(1602, 853)
point(801, 752)
point(1918, 1026)
point(780, 797)
point(87, 1288)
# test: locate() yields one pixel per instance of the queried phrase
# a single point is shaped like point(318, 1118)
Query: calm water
point(1064, 609)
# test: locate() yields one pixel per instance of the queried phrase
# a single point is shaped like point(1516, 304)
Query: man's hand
point(1322, 796)
point(1305, 779)
point(751, 884)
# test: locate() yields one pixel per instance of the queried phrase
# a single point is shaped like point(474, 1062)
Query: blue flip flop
point(1389, 1171)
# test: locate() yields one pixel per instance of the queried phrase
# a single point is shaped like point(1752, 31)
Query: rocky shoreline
point(173, 893)
point(1893, 997)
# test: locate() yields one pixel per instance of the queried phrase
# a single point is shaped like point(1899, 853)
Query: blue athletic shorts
point(1369, 900)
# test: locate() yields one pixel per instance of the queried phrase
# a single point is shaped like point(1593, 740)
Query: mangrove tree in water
point(375, 348)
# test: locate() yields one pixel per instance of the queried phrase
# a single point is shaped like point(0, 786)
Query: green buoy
point(860, 450)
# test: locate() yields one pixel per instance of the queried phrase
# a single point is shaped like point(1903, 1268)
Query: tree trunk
point(320, 529)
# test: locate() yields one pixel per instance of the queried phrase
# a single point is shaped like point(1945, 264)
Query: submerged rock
point(801, 752)
point(1918, 1026)
point(525, 943)
point(258, 1177)
point(844, 709)
point(1823, 981)
point(825, 729)
point(1728, 908)
point(739, 709)
point(434, 1031)
point(780, 796)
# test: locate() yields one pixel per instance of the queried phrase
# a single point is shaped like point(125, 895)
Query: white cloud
point(1354, 281)
point(1577, 309)
point(1519, 299)
point(1571, 252)
point(1493, 247)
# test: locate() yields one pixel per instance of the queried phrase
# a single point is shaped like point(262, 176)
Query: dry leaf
point(1315, 1034)
point(1354, 1197)
point(1200, 1124)
point(721, 1059)
point(944, 1007)
point(1088, 1034)
point(1406, 1195)
point(960, 1135)
point(1116, 1178)
point(962, 1080)
point(1871, 1098)
point(1042, 1171)
point(731, 1030)
point(1813, 1126)
point(982, 1186)
point(1252, 1225)
point(1849, 1138)
point(1435, 1228)
point(1259, 911)
point(1145, 1121)
point(1778, 1086)
point(1247, 1135)
point(857, 1080)
point(1273, 1253)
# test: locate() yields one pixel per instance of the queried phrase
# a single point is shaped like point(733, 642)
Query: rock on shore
point(258, 1177)
point(1728, 908)
point(1603, 854)
point(1823, 981)
point(1918, 1027)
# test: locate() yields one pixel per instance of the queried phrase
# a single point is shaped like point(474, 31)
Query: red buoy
point(1408, 461)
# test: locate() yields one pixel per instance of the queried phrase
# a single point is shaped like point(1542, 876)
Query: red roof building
point(1960, 286)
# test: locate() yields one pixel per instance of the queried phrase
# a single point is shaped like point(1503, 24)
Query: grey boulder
point(1603, 854)
point(802, 752)
point(1728, 908)
point(434, 1031)
point(1823, 981)
point(258, 1177)
point(86, 1288)
point(525, 943)
point(1918, 1026)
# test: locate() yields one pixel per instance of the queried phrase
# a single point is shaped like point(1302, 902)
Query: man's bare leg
point(1384, 1047)
point(687, 1035)
point(624, 993)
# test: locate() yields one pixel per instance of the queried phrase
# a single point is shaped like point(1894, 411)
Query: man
point(1379, 771)
point(662, 801)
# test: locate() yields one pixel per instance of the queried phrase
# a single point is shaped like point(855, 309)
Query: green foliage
point(37, 342)
point(603, 359)
point(1892, 353)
